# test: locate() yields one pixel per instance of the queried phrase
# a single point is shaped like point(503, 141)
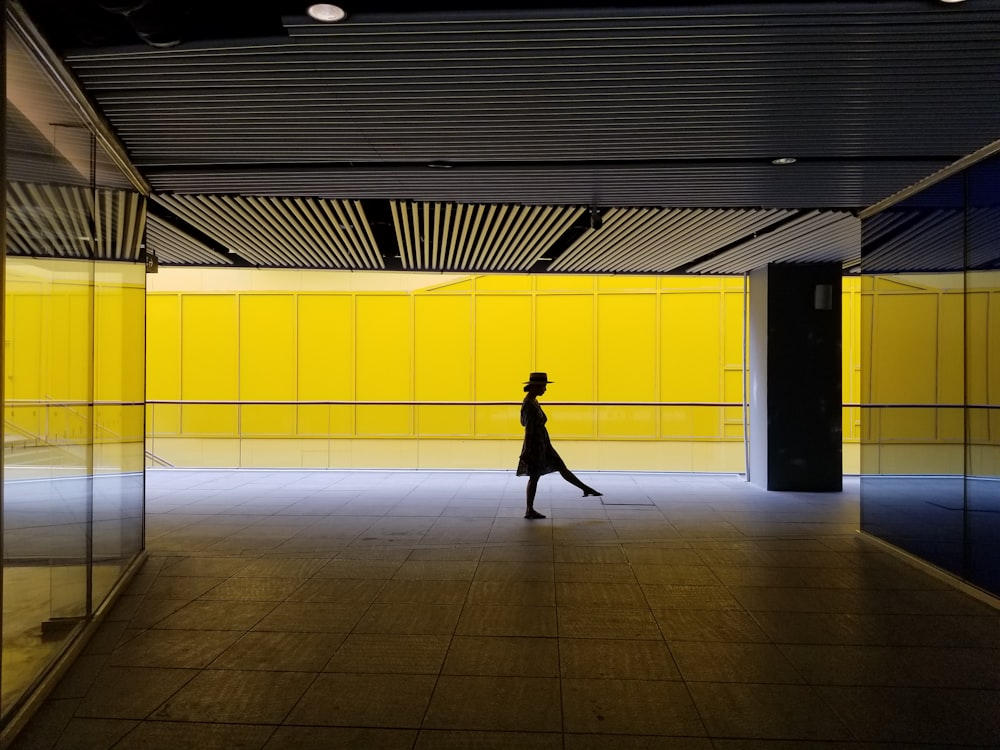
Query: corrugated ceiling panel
point(706, 87)
point(658, 240)
point(710, 185)
point(445, 236)
point(64, 221)
point(283, 232)
point(171, 246)
point(984, 237)
point(815, 237)
point(914, 240)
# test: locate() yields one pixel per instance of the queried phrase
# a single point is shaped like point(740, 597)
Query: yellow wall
point(327, 336)
point(72, 330)
point(938, 355)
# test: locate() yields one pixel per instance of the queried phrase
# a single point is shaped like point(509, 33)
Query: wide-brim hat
point(538, 378)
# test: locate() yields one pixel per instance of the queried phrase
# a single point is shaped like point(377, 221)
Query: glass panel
point(47, 488)
point(73, 482)
point(983, 362)
point(119, 362)
point(913, 376)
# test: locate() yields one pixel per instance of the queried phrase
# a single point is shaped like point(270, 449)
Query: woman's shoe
point(532, 514)
point(592, 493)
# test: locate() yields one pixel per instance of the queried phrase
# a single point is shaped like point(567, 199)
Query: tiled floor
point(419, 610)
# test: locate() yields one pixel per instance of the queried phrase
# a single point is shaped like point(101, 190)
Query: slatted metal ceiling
point(464, 237)
point(283, 232)
point(65, 221)
point(173, 247)
point(639, 111)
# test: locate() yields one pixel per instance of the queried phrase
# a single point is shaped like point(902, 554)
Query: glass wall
point(931, 376)
point(73, 491)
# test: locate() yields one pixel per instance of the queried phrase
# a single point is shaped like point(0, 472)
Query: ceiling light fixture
point(784, 160)
point(326, 12)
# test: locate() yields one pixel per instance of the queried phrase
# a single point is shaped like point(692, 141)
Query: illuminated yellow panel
point(904, 365)
point(443, 363)
point(564, 283)
point(209, 362)
point(384, 363)
point(503, 332)
point(691, 355)
point(326, 363)
point(951, 349)
point(267, 363)
point(564, 348)
point(993, 349)
point(732, 328)
point(504, 283)
point(163, 350)
point(626, 363)
point(617, 283)
point(976, 335)
point(569, 421)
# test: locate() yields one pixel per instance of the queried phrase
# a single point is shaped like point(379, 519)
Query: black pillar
point(795, 378)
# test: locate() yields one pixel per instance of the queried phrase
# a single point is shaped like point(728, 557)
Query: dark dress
point(537, 454)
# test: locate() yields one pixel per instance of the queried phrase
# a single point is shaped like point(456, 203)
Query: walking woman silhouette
point(537, 454)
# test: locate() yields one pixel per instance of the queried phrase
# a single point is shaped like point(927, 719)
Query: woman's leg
point(529, 510)
point(572, 478)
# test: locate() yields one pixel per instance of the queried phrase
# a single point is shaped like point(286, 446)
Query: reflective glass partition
point(931, 375)
point(73, 491)
point(982, 518)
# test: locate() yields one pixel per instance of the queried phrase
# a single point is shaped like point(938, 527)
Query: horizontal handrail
point(346, 402)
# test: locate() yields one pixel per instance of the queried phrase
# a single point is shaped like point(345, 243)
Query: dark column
point(795, 378)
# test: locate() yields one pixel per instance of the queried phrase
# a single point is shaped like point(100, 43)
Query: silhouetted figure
point(537, 454)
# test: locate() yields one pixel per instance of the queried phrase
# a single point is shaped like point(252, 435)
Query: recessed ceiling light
point(784, 160)
point(326, 12)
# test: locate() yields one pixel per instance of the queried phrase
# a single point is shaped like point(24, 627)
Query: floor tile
point(291, 652)
point(712, 661)
point(443, 739)
point(194, 649)
point(791, 712)
point(365, 700)
point(600, 595)
point(312, 617)
point(253, 589)
point(340, 738)
point(579, 622)
point(635, 742)
point(339, 590)
point(390, 654)
point(629, 707)
point(410, 619)
point(217, 615)
point(132, 692)
point(616, 659)
point(167, 735)
point(502, 656)
point(92, 734)
point(501, 703)
point(424, 592)
point(524, 593)
point(511, 620)
point(907, 714)
point(913, 666)
point(237, 696)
